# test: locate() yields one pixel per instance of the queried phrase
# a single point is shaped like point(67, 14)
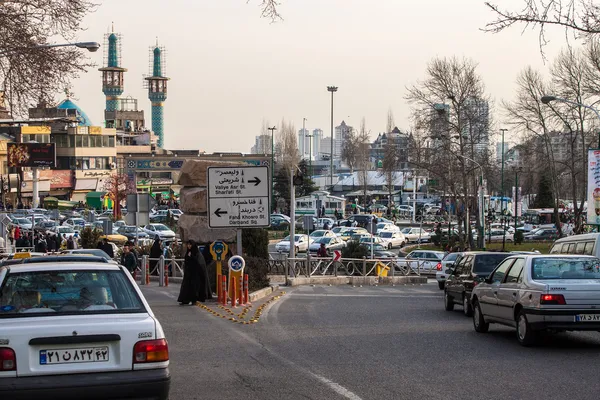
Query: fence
point(164, 266)
point(280, 264)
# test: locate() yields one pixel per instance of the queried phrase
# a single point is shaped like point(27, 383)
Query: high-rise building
point(262, 145)
point(499, 151)
point(324, 148)
point(157, 90)
point(342, 131)
point(304, 142)
point(476, 113)
point(317, 135)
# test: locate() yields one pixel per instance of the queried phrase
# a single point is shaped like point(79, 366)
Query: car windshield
point(23, 221)
point(128, 229)
point(65, 229)
point(68, 292)
point(317, 234)
point(565, 268)
point(176, 212)
point(93, 252)
point(325, 240)
point(337, 229)
point(161, 227)
point(386, 235)
point(406, 230)
point(485, 263)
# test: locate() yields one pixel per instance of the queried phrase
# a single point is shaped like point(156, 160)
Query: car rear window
point(485, 263)
point(565, 268)
point(68, 292)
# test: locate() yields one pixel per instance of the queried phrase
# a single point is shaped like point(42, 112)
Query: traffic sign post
point(238, 197)
point(337, 255)
point(236, 274)
point(219, 250)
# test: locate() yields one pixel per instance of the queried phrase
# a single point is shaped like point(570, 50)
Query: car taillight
point(8, 359)
point(148, 351)
point(438, 266)
point(555, 299)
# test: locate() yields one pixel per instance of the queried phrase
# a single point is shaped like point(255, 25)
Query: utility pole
point(272, 169)
point(331, 89)
point(502, 211)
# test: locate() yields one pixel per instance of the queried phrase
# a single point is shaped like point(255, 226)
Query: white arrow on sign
point(337, 255)
point(238, 181)
point(244, 212)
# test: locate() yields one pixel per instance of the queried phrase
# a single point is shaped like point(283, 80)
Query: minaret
point(157, 90)
point(112, 73)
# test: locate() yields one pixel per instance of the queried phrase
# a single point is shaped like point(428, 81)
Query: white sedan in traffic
point(78, 327)
point(301, 243)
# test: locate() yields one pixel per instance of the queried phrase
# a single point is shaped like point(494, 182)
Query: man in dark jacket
point(107, 247)
point(128, 259)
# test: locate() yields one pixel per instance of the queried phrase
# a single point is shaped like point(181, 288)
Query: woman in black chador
point(195, 277)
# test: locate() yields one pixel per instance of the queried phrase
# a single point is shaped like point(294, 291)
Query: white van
point(588, 243)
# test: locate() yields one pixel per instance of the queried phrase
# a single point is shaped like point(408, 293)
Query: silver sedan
point(535, 293)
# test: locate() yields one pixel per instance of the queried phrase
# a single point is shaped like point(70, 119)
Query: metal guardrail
point(280, 264)
point(175, 265)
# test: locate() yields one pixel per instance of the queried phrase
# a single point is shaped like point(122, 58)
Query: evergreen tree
point(308, 185)
point(545, 197)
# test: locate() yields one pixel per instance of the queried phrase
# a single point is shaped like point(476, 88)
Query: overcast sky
point(230, 69)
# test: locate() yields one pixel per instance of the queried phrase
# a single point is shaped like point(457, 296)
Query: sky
point(231, 69)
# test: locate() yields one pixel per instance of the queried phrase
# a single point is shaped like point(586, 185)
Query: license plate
point(587, 318)
point(69, 356)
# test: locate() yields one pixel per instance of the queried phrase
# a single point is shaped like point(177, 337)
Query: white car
point(414, 235)
point(75, 222)
point(65, 231)
point(444, 268)
point(321, 222)
point(405, 209)
point(496, 236)
point(301, 243)
point(321, 233)
point(392, 239)
point(386, 226)
point(159, 229)
point(78, 327)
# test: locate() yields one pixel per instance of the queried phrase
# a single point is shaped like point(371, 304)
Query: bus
point(311, 204)
point(534, 217)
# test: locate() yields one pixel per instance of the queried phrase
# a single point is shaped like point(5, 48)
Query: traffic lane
point(393, 343)
point(214, 358)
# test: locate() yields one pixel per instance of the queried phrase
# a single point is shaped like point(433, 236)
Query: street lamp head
point(548, 99)
point(332, 89)
point(90, 46)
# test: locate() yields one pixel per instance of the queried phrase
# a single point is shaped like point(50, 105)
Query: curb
point(357, 280)
point(264, 292)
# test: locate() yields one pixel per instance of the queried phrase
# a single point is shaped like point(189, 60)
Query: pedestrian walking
point(195, 277)
point(128, 259)
point(108, 249)
point(155, 253)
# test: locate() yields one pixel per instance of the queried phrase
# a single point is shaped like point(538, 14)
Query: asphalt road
point(366, 343)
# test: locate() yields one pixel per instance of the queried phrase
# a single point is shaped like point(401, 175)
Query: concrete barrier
point(389, 280)
point(259, 294)
point(318, 280)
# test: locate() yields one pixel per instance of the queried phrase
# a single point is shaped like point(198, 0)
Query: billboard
point(593, 189)
point(31, 154)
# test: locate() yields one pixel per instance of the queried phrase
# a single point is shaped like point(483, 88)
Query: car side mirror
point(488, 280)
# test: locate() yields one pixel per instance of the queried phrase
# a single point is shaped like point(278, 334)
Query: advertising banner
point(593, 194)
point(31, 154)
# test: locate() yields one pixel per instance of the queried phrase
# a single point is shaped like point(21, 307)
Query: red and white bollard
point(241, 288)
point(223, 290)
point(232, 291)
point(246, 298)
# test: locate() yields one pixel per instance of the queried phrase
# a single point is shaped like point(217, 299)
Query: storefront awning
point(86, 184)
point(43, 186)
point(79, 196)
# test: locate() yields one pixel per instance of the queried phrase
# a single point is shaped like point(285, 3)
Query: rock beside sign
point(194, 172)
point(195, 227)
point(193, 200)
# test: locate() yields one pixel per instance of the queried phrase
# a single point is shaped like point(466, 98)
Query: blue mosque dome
point(82, 117)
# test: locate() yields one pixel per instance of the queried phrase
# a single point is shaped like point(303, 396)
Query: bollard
point(143, 271)
point(364, 273)
point(147, 271)
point(219, 290)
point(232, 291)
point(246, 297)
point(161, 271)
point(241, 289)
point(224, 290)
point(166, 271)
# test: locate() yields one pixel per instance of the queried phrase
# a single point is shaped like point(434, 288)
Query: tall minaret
point(112, 73)
point(157, 90)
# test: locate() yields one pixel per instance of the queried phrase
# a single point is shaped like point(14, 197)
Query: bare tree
point(390, 124)
point(391, 162)
point(30, 73)
point(457, 82)
point(363, 158)
point(269, 9)
point(287, 146)
point(581, 17)
point(527, 114)
point(350, 149)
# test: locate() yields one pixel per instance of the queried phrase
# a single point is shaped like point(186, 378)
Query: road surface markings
point(339, 389)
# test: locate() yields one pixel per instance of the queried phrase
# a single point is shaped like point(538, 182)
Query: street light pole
point(331, 89)
point(503, 130)
point(272, 169)
point(89, 46)
point(549, 98)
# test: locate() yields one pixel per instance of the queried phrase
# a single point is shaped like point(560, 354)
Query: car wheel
point(389, 246)
point(478, 321)
point(448, 303)
point(525, 334)
point(467, 310)
point(297, 249)
point(441, 285)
